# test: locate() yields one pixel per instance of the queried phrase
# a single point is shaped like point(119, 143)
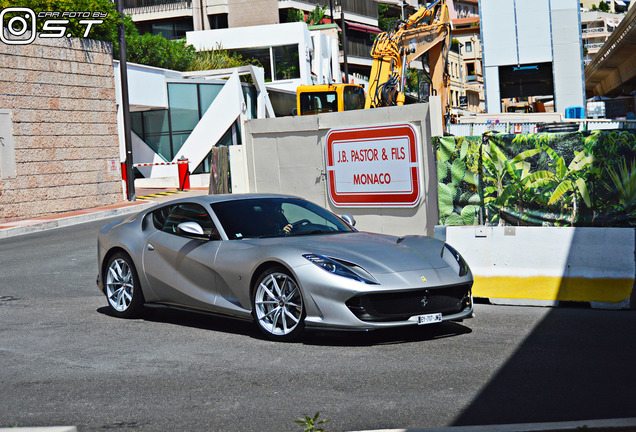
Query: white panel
point(7, 151)
point(257, 36)
point(565, 27)
point(533, 31)
point(491, 87)
point(568, 57)
point(238, 169)
point(498, 32)
point(146, 85)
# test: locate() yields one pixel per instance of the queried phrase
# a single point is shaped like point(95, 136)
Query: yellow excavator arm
point(427, 30)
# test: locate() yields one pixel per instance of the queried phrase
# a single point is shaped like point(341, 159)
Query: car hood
point(376, 253)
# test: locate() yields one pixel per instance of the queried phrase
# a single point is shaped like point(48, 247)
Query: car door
point(179, 268)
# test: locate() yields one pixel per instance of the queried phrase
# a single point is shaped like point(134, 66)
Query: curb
point(30, 226)
point(605, 425)
point(41, 429)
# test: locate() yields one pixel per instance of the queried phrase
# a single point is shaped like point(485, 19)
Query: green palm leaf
point(582, 187)
point(560, 190)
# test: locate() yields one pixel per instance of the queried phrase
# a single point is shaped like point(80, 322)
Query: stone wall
point(60, 96)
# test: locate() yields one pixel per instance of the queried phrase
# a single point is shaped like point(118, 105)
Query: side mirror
point(349, 219)
point(192, 229)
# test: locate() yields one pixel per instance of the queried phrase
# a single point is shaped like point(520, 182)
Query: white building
point(291, 55)
point(532, 48)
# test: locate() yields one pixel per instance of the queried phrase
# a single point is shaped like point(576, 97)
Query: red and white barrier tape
point(160, 163)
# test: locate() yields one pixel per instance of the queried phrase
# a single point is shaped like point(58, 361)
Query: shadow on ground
point(577, 364)
point(319, 338)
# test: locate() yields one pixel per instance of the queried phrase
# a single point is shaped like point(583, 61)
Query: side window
point(159, 217)
point(186, 212)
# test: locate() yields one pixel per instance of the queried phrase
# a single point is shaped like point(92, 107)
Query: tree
point(151, 50)
point(316, 16)
point(603, 7)
point(106, 31)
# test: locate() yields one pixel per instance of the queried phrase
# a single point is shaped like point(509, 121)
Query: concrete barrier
point(546, 265)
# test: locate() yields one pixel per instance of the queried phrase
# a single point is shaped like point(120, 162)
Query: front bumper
point(334, 302)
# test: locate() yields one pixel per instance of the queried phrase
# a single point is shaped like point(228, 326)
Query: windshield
point(276, 217)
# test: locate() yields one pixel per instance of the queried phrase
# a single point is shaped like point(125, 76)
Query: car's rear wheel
point(277, 305)
point(123, 292)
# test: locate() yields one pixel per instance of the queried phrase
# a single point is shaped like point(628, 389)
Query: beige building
point(173, 18)
point(596, 28)
point(467, 88)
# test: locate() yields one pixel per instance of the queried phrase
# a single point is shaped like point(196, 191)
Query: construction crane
point(426, 31)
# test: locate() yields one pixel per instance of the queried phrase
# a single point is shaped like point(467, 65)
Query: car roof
point(211, 199)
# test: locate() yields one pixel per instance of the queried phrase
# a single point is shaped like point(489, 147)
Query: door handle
point(150, 247)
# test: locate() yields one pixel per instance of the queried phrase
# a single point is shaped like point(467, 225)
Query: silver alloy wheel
point(119, 285)
point(278, 304)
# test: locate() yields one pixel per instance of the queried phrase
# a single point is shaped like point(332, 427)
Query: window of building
point(184, 113)
point(469, 46)
point(170, 29)
point(165, 131)
point(470, 68)
point(283, 60)
point(155, 131)
point(262, 55)
point(218, 21)
point(286, 62)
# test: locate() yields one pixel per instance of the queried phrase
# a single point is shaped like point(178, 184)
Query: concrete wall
point(287, 155)
point(546, 265)
point(58, 100)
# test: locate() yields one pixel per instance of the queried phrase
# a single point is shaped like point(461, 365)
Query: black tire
point(277, 305)
point(122, 288)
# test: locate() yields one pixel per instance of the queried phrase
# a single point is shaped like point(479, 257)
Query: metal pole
point(344, 42)
point(331, 10)
point(125, 105)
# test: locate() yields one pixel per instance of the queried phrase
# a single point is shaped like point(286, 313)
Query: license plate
point(429, 319)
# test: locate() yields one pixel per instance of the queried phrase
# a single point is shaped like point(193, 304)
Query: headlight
point(463, 267)
point(349, 271)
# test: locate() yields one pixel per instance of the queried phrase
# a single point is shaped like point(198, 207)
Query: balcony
point(149, 6)
point(365, 8)
point(474, 79)
point(360, 48)
point(595, 30)
point(594, 46)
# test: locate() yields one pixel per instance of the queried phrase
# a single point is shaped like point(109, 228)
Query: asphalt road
point(65, 361)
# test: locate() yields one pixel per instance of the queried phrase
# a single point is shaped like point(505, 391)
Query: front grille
point(401, 305)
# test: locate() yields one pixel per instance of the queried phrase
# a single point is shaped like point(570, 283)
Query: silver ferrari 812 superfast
point(281, 261)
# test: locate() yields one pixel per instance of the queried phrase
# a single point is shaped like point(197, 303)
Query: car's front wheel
point(123, 292)
point(277, 305)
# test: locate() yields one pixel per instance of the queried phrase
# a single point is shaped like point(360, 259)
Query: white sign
point(374, 166)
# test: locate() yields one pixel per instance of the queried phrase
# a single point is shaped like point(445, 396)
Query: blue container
point(574, 112)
